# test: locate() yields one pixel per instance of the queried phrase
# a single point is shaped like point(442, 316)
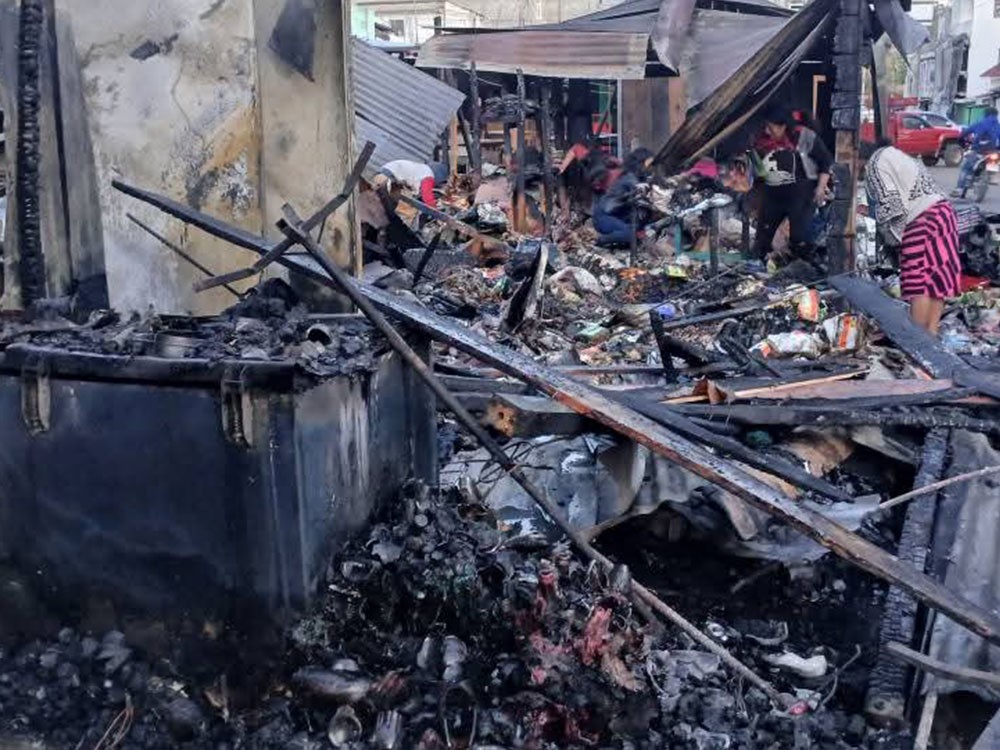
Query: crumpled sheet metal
point(671, 31)
point(967, 550)
point(598, 480)
point(720, 44)
point(906, 34)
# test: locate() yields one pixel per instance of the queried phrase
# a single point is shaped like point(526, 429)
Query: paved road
point(947, 177)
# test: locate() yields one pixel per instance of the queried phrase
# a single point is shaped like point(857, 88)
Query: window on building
point(397, 26)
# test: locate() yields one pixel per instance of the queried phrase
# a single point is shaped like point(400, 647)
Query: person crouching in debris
point(912, 214)
point(418, 178)
point(614, 211)
point(794, 166)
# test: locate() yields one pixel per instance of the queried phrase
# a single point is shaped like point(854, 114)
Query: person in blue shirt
point(985, 137)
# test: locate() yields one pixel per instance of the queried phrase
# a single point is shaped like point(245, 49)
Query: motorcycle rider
point(985, 137)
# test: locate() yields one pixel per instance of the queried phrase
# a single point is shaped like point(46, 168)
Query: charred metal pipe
point(156, 235)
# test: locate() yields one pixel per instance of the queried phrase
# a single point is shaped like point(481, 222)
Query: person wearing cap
point(416, 177)
point(794, 165)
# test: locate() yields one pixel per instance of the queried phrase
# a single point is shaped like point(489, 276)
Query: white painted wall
point(984, 46)
point(213, 119)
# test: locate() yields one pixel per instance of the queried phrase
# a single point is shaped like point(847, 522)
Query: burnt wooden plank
point(486, 385)
point(885, 702)
point(532, 416)
point(894, 319)
point(923, 348)
point(793, 415)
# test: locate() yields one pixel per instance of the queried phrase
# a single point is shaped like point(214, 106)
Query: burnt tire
point(929, 161)
point(952, 155)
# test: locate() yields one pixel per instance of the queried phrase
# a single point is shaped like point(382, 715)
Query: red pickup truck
point(925, 135)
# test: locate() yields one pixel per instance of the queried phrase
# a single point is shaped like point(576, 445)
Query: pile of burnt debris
point(650, 452)
point(269, 324)
point(443, 629)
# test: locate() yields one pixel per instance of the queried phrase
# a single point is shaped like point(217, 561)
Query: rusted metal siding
point(557, 54)
point(402, 110)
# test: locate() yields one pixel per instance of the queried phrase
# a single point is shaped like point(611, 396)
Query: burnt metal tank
point(186, 485)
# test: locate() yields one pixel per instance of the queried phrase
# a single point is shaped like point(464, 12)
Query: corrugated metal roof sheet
point(557, 54)
point(639, 15)
point(611, 43)
point(402, 110)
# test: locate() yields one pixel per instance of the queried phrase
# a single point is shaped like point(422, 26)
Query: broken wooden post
point(885, 702)
point(445, 140)
point(663, 344)
point(520, 200)
point(846, 120)
point(545, 131)
point(475, 125)
point(713, 240)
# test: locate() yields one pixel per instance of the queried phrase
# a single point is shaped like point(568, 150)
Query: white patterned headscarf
point(899, 190)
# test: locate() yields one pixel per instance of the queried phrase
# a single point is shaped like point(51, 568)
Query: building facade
point(958, 71)
point(410, 21)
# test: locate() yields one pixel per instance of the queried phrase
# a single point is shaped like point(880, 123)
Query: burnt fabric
point(928, 258)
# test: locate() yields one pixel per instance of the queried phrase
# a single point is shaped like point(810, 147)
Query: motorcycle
point(986, 172)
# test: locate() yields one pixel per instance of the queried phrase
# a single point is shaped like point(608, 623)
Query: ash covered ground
point(439, 629)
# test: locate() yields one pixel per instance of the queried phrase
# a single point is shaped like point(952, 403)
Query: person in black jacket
point(793, 164)
point(613, 211)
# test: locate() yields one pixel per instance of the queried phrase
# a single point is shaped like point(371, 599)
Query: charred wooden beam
point(627, 422)
point(923, 348)
point(885, 703)
point(531, 416)
point(660, 336)
point(734, 312)
point(476, 124)
point(520, 199)
point(793, 415)
point(460, 383)
point(545, 128)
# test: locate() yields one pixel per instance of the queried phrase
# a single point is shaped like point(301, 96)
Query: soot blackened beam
point(923, 348)
point(588, 401)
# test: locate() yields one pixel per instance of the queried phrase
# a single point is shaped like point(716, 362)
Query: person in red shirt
point(416, 177)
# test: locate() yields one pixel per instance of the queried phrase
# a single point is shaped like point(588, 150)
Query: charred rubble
point(635, 555)
point(440, 628)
